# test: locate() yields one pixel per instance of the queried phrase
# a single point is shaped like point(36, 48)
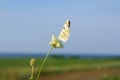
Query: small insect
point(65, 33)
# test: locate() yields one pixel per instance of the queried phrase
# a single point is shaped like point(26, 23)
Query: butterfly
point(65, 32)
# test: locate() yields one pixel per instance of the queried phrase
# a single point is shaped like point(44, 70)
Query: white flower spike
point(65, 33)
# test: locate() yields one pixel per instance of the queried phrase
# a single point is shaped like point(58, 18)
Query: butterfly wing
point(65, 33)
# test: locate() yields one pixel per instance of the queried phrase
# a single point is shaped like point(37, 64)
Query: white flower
point(64, 36)
point(65, 33)
point(56, 43)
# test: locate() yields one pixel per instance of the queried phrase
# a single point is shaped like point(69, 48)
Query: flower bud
point(32, 62)
point(56, 43)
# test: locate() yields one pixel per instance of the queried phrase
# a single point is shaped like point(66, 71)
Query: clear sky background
point(27, 25)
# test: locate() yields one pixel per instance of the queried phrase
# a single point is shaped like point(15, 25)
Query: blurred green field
point(19, 68)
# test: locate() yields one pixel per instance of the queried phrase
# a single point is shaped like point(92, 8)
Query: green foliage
point(58, 62)
point(111, 78)
point(20, 68)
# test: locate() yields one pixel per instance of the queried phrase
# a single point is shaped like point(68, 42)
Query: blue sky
point(27, 25)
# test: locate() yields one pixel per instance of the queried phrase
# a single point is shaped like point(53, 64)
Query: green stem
point(39, 72)
point(32, 69)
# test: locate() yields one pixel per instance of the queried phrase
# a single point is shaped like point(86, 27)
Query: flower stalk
point(32, 70)
point(55, 43)
point(32, 64)
point(39, 72)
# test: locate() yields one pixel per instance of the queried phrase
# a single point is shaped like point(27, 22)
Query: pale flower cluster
point(63, 37)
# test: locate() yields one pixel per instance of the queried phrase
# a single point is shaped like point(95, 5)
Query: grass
point(21, 68)
point(112, 78)
point(58, 62)
point(72, 63)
